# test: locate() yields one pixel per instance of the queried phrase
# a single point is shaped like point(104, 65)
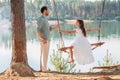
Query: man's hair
point(43, 9)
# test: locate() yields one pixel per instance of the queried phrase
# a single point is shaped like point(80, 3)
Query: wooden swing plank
point(107, 67)
point(98, 43)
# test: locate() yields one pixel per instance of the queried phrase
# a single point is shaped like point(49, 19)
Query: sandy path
point(60, 76)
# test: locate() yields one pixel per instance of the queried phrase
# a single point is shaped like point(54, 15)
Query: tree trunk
point(19, 65)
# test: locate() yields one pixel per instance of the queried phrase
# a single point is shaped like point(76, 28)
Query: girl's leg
point(64, 49)
point(71, 54)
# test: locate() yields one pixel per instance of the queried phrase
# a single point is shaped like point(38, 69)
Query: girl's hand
point(98, 29)
point(58, 26)
point(60, 31)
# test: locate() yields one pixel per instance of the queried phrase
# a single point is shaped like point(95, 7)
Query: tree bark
point(19, 65)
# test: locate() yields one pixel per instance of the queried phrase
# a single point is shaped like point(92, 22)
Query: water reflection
point(110, 33)
point(5, 33)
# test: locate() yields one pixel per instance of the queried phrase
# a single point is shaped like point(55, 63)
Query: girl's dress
point(82, 49)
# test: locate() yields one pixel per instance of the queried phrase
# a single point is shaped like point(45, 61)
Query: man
point(43, 31)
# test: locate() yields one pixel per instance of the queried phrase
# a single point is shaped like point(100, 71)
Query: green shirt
point(43, 27)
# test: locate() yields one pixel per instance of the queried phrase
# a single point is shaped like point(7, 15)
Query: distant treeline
point(69, 9)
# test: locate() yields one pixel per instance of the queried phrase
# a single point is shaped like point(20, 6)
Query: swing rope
point(103, 6)
point(99, 32)
point(57, 17)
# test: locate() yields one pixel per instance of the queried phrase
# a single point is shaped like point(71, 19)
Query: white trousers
point(44, 55)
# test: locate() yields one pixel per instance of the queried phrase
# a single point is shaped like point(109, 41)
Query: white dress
point(82, 49)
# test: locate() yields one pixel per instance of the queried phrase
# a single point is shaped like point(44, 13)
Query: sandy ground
point(63, 76)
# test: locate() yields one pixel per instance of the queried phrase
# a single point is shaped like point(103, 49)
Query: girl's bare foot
point(71, 61)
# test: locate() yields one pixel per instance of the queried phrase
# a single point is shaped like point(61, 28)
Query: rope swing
point(103, 6)
point(99, 43)
point(61, 41)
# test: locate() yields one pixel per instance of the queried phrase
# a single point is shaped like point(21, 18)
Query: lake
point(110, 34)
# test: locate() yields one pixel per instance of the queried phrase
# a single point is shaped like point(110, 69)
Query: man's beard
point(47, 14)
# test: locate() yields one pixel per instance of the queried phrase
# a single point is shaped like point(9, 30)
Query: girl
point(82, 48)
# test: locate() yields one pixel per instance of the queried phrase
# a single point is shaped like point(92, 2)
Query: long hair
point(82, 27)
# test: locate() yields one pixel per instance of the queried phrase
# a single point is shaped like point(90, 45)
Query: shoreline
point(52, 22)
point(71, 22)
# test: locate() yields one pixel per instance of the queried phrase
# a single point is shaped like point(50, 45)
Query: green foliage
point(91, 70)
point(60, 64)
point(68, 9)
point(107, 60)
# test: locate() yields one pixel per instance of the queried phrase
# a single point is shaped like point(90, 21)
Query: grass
point(108, 60)
point(61, 64)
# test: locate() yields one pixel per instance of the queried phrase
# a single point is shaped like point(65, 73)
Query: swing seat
point(99, 43)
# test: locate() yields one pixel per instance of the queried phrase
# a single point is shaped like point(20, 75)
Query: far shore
point(71, 22)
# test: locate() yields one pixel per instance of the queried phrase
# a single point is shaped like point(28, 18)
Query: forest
point(68, 9)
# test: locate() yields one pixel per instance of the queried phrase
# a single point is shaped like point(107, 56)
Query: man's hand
point(55, 27)
point(41, 37)
point(44, 41)
point(58, 25)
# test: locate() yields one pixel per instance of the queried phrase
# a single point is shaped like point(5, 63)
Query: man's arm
point(55, 27)
point(41, 36)
point(39, 26)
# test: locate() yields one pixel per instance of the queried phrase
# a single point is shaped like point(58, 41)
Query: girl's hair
point(82, 27)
